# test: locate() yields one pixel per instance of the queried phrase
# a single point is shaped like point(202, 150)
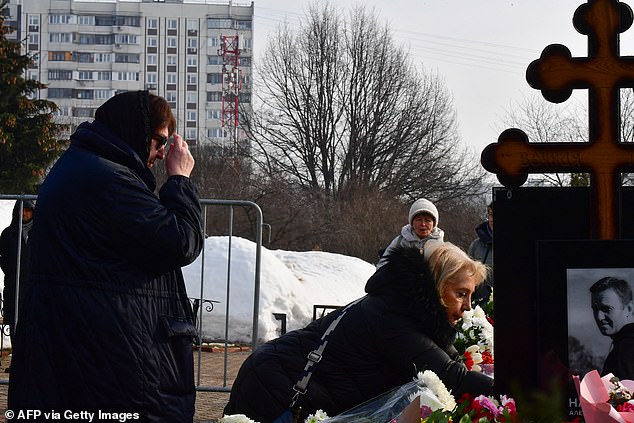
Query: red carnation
point(468, 360)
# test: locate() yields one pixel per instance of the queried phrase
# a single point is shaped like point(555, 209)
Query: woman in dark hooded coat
point(404, 325)
point(105, 323)
point(9, 257)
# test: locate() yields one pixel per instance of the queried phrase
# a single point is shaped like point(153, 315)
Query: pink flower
point(509, 403)
point(488, 403)
point(627, 407)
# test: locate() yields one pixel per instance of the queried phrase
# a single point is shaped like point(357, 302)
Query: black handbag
point(301, 386)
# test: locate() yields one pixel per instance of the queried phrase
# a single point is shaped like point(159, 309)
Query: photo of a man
point(613, 310)
point(600, 321)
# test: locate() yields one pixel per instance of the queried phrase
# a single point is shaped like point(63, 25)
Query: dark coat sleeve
point(405, 343)
point(156, 233)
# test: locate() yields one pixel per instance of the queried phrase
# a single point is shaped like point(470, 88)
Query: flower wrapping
point(596, 394)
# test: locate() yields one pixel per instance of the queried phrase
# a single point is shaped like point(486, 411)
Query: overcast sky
point(481, 48)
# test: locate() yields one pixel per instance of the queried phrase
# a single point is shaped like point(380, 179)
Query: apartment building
point(195, 53)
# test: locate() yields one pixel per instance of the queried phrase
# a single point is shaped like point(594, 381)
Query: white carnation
point(430, 380)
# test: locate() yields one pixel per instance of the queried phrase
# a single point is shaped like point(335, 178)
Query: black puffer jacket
point(105, 323)
point(399, 328)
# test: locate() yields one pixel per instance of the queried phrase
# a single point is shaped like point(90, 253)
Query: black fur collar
point(407, 280)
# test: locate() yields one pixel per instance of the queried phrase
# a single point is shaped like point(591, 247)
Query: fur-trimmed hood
point(407, 282)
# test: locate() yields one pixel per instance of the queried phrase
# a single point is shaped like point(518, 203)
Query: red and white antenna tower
point(231, 86)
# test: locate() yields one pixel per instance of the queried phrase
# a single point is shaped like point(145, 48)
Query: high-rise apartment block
point(195, 53)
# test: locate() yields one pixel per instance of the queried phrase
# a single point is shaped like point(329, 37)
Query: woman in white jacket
point(422, 228)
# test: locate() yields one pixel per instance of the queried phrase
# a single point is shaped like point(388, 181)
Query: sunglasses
point(161, 140)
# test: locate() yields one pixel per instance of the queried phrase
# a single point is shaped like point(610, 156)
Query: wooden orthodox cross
point(556, 73)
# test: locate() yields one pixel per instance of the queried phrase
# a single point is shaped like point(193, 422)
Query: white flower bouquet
point(474, 340)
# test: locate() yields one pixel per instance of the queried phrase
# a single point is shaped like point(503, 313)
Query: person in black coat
point(105, 323)
point(9, 257)
point(403, 325)
point(481, 249)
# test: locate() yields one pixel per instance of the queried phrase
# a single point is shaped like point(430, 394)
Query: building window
point(86, 20)
point(59, 56)
point(192, 79)
point(152, 41)
point(127, 39)
point(104, 20)
point(34, 38)
point(190, 134)
point(60, 74)
point(214, 60)
point(60, 93)
point(104, 76)
point(216, 133)
point(192, 42)
point(214, 96)
point(213, 42)
point(171, 78)
point(63, 111)
point(127, 21)
point(192, 61)
point(152, 77)
point(170, 96)
point(172, 42)
point(127, 58)
point(171, 60)
point(192, 96)
point(125, 76)
point(85, 75)
point(214, 78)
point(241, 24)
point(34, 20)
point(191, 116)
point(103, 57)
point(219, 23)
point(61, 19)
point(103, 94)
point(83, 57)
point(83, 112)
point(152, 23)
point(152, 59)
point(85, 94)
point(172, 24)
point(214, 114)
point(60, 37)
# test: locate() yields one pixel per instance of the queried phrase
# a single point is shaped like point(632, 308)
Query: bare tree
point(542, 122)
point(547, 122)
point(343, 107)
point(296, 130)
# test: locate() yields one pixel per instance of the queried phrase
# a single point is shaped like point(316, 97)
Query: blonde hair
point(447, 260)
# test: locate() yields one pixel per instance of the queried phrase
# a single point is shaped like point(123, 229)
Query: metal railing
point(200, 300)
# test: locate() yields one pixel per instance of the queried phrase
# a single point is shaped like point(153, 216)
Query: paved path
point(209, 405)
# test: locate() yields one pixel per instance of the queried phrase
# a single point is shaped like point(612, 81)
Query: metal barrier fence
point(198, 302)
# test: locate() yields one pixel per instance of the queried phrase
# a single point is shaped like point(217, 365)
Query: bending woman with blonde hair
point(405, 324)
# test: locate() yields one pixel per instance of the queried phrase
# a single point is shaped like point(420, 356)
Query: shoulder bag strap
point(314, 357)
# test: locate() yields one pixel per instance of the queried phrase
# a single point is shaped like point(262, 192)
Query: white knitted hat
point(422, 205)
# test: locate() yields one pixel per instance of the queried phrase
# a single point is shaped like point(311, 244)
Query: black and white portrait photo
point(600, 320)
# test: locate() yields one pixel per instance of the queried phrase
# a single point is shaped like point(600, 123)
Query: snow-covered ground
point(290, 283)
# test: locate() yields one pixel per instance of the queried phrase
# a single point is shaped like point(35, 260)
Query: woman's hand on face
point(179, 160)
